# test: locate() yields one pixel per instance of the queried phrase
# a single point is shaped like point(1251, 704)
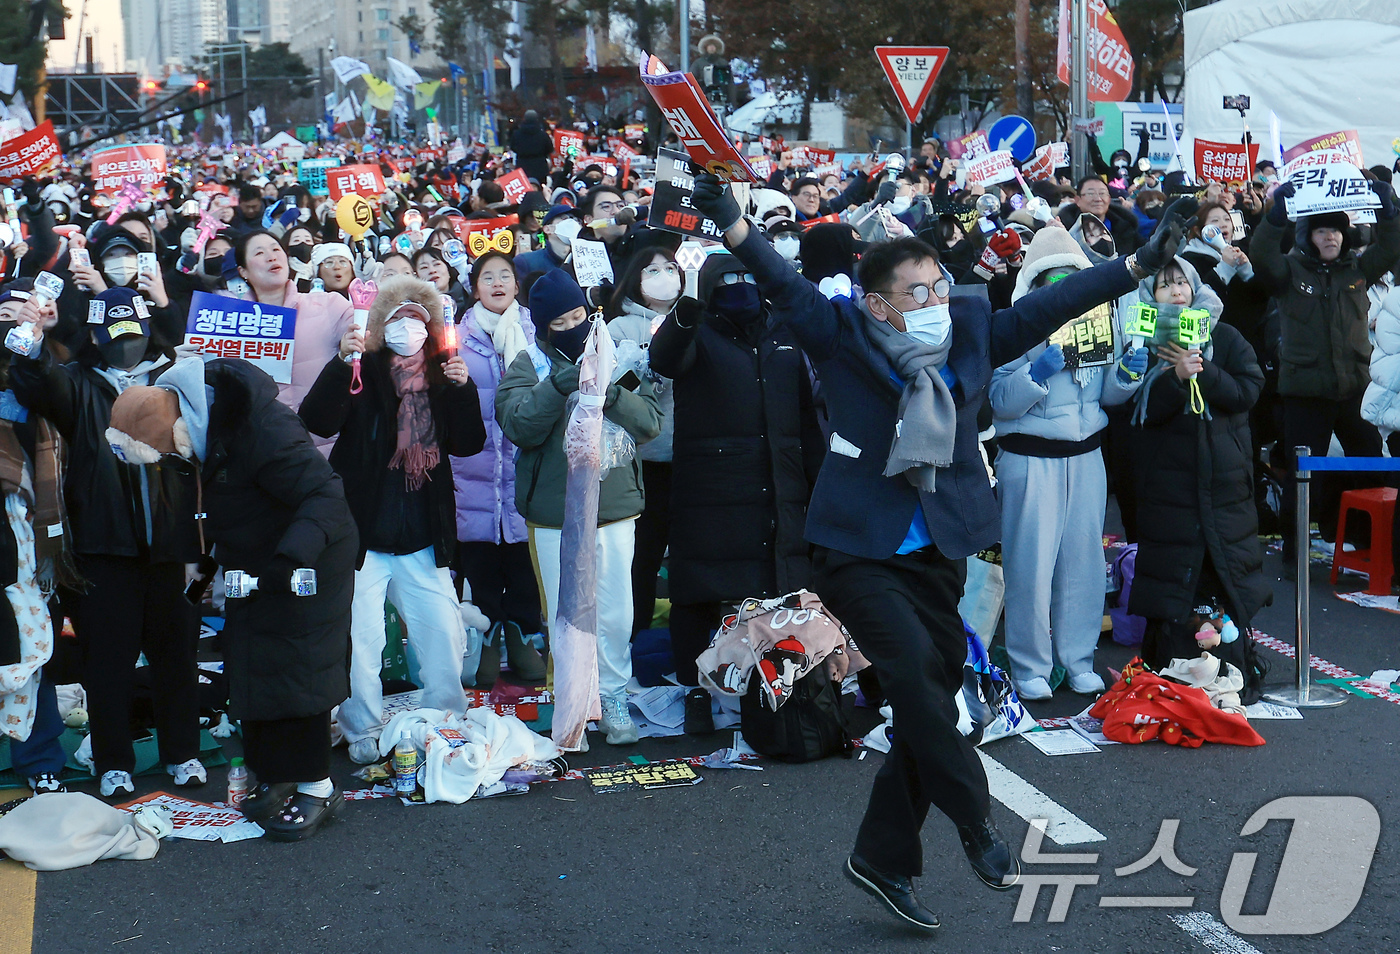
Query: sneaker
point(46, 783)
point(616, 725)
point(699, 719)
point(1086, 683)
point(115, 781)
point(188, 774)
point(1035, 689)
point(365, 751)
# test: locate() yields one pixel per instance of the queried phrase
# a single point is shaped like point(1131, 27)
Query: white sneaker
point(365, 751)
point(616, 725)
point(45, 783)
point(116, 780)
point(1034, 690)
point(188, 774)
point(1086, 683)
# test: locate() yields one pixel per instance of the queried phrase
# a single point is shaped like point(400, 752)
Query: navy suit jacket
point(855, 508)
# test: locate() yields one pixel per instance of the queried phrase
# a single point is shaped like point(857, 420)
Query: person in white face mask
point(416, 408)
point(644, 295)
point(562, 224)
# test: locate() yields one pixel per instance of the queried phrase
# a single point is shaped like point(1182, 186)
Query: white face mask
point(405, 336)
point(788, 246)
point(567, 230)
point(929, 324)
point(901, 203)
point(665, 287)
point(121, 269)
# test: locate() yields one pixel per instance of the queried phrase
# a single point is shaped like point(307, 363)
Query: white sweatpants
point(616, 541)
point(1052, 512)
point(423, 593)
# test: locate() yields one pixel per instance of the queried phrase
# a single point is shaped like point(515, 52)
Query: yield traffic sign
point(911, 70)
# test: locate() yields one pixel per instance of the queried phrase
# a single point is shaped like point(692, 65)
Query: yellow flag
point(424, 93)
point(380, 93)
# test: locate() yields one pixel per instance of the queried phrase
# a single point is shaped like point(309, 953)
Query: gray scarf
point(928, 418)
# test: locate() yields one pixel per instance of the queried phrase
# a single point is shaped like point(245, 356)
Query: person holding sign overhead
point(1048, 406)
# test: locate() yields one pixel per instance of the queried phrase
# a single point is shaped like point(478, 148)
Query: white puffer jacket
point(1381, 404)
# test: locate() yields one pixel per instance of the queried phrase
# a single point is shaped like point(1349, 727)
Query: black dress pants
point(288, 750)
point(653, 532)
point(502, 580)
point(1312, 422)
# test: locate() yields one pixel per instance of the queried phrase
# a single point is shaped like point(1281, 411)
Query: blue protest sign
point(228, 327)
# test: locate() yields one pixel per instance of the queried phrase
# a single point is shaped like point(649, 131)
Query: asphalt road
point(750, 861)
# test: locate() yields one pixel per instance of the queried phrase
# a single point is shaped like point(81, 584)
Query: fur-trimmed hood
point(393, 292)
point(1050, 248)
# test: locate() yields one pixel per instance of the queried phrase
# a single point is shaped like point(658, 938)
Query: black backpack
point(810, 725)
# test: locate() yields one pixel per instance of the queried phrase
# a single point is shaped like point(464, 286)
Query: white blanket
point(460, 755)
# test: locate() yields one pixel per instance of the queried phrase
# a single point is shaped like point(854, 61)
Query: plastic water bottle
point(237, 783)
point(317, 285)
point(405, 767)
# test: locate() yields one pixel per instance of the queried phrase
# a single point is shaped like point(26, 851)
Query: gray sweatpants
point(1052, 512)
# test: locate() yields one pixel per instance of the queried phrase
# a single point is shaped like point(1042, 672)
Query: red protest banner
point(833, 217)
point(911, 71)
point(516, 186)
point(30, 153)
point(365, 180)
point(568, 143)
point(1110, 74)
point(812, 156)
point(1225, 162)
point(143, 165)
point(969, 147)
point(620, 149)
point(684, 105)
point(484, 235)
point(1346, 141)
point(1046, 160)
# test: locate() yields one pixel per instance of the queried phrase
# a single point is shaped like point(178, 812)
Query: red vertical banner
point(1110, 74)
point(684, 105)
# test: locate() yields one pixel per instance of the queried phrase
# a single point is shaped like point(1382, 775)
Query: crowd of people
point(865, 384)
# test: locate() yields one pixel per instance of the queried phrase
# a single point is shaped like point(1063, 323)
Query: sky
point(104, 22)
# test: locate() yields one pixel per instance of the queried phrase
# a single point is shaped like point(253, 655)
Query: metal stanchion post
point(1304, 695)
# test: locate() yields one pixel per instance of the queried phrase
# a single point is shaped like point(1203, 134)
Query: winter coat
point(367, 421)
point(1245, 295)
point(269, 493)
point(485, 482)
point(1324, 350)
point(532, 413)
point(110, 503)
point(1381, 404)
point(540, 260)
point(322, 320)
point(1121, 223)
point(532, 145)
point(1195, 488)
point(747, 452)
point(1064, 416)
point(635, 324)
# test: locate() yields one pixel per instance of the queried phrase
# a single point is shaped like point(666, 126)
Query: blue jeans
point(41, 753)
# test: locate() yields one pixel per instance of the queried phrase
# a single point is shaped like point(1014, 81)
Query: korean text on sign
point(1088, 340)
point(143, 165)
point(695, 125)
point(263, 335)
point(362, 179)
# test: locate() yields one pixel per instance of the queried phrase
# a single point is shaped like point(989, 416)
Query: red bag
point(1142, 706)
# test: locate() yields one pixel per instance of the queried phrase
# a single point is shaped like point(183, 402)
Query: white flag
point(258, 117)
point(590, 50)
point(403, 75)
point(347, 68)
point(7, 77)
point(345, 112)
point(20, 110)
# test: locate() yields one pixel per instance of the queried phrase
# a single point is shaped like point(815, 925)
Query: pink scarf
point(417, 450)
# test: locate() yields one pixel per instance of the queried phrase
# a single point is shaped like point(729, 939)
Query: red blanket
point(1142, 706)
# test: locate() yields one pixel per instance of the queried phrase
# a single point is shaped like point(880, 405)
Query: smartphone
point(629, 381)
point(147, 262)
point(1237, 220)
point(79, 256)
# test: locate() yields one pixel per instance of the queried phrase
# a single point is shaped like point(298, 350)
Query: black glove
point(1164, 241)
point(565, 380)
point(277, 578)
point(715, 201)
point(1386, 194)
point(1186, 207)
point(1278, 215)
point(886, 192)
point(30, 188)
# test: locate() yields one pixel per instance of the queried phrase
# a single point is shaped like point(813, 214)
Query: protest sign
point(969, 147)
point(568, 143)
point(363, 180)
point(1324, 182)
point(1345, 141)
point(688, 112)
point(516, 186)
point(911, 71)
point(1110, 73)
point(227, 327)
point(30, 154)
point(1225, 162)
point(143, 166)
point(620, 148)
point(762, 167)
point(199, 821)
point(312, 174)
point(992, 168)
point(592, 267)
point(812, 156)
point(1087, 341)
point(487, 235)
point(1090, 127)
point(670, 208)
point(671, 773)
point(1046, 160)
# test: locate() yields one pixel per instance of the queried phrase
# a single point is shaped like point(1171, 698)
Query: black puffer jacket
point(270, 494)
point(746, 453)
point(1324, 350)
point(532, 145)
point(1121, 223)
point(1196, 489)
point(109, 503)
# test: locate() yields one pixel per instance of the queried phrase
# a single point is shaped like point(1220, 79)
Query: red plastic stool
point(1376, 562)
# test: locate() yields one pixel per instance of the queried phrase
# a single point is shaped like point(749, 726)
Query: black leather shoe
point(896, 891)
point(992, 858)
point(699, 720)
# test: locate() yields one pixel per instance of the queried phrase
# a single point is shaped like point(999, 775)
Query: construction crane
point(78, 47)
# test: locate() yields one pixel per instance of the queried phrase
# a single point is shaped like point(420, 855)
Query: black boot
point(489, 669)
point(699, 720)
point(992, 858)
point(896, 891)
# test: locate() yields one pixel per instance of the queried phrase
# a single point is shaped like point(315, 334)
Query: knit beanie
point(554, 293)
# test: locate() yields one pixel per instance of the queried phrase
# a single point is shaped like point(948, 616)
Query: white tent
point(282, 140)
point(1320, 65)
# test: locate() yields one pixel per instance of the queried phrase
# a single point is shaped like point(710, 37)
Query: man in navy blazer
point(891, 522)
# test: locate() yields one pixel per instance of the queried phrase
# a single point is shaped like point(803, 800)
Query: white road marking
point(1214, 935)
point(1023, 798)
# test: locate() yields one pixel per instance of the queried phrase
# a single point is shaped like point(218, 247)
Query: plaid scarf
point(417, 450)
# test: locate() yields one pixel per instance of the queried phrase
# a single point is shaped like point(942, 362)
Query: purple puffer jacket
point(485, 482)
